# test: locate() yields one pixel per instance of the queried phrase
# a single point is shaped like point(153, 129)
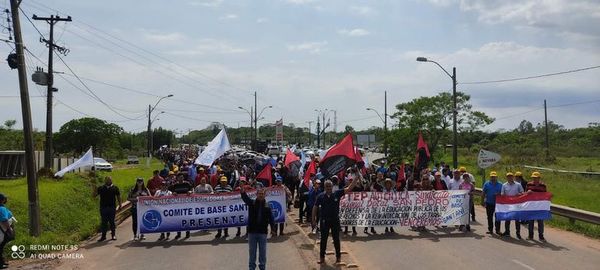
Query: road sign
point(487, 159)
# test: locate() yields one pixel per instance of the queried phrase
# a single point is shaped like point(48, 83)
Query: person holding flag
point(491, 188)
point(536, 186)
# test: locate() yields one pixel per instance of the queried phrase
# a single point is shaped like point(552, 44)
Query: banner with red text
point(409, 208)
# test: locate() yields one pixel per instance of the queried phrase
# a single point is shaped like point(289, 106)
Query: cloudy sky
point(302, 55)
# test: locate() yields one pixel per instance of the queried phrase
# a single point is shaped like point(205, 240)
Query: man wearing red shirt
point(154, 182)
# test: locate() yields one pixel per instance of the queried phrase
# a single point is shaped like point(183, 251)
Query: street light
point(454, 111)
point(385, 150)
point(150, 121)
point(256, 117)
point(251, 120)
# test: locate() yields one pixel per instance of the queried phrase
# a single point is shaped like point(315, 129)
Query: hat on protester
point(438, 173)
point(518, 173)
point(171, 173)
point(493, 174)
point(163, 182)
point(2, 197)
point(223, 179)
point(536, 175)
point(509, 174)
point(462, 169)
point(201, 168)
point(388, 180)
point(318, 181)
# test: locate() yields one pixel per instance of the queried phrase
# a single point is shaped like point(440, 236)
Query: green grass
point(69, 213)
point(573, 190)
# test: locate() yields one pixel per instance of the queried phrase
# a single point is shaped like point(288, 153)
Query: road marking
point(522, 264)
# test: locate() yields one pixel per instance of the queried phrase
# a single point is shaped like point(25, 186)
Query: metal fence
point(12, 163)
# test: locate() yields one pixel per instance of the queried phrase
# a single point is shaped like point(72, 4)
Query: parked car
point(133, 160)
point(101, 164)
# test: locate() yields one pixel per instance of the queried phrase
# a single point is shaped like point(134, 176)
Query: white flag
point(86, 160)
point(215, 148)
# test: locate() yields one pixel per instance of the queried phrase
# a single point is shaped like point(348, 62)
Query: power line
point(138, 48)
point(549, 107)
point(533, 77)
point(92, 92)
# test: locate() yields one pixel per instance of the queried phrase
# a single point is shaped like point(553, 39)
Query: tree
point(433, 116)
point(9, 124)
point(525, 127)
point(76, 136)
point(349, 129)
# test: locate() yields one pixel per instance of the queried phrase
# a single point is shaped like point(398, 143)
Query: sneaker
point(392, 230)
point(386, 230)
point(468, 228)
point(162, 236)
point(321, 260)
point(530, 237)
point(102, 239)
point(542, 238)
point(187, 235)
point(519, 236)
point(135, 238)
point(346, 231)
point(177, 236)
point(366, 230)
point(373, 230)
point(489, 232)
point(142, 237)
point(226, 235)
point(114, 238)
point(506, 234)
point(218, 235)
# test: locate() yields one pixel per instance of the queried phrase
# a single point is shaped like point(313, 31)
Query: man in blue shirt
point(329, 202)
point(490, 190)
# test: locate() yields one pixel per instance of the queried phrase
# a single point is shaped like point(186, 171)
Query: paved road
point(201, 251)
point(451, 249)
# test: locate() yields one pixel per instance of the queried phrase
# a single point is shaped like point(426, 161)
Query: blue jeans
point(259, 239)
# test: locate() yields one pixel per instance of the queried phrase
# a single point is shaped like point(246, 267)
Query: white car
point(101, 164)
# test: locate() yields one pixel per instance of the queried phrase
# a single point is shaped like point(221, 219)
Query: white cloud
point(209, 46)
point(357, 32)
point(165, 37)
point(212, 3)
point(561, 17)
point(300, 2)
point(262, 20)
point(311, 47)
point(362, 10)
point(228, 17)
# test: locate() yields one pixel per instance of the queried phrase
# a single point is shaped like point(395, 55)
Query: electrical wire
point(533, 77)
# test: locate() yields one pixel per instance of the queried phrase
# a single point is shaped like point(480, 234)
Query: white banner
point(215, 148)
point(409, 208)
point(86, 160)
point(202, 211)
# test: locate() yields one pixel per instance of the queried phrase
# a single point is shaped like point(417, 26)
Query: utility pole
point(52, 20)
point(32, 184)
point(385, 130)
point(310, 132)
point(454, 121)
point(255, 122)
point(318, 132)
point(546, 125)
point(149, 132)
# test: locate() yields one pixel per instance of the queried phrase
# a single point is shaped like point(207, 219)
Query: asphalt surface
point(448, 248)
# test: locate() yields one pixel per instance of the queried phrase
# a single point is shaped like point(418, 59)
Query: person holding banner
point(388, 186)
point(138, 190)
point(467, 185)
point(181, 187)
point(288, 197)
point(163, 191)
point(536, 186)
point(491, 188)
point(329, 203)
point(223, 187)
point(259, 217)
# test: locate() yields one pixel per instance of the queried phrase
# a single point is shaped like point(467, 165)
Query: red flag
point(265, 174)
point(339, 157)
point(422, 156)
point(311, 170)
point(290, 157)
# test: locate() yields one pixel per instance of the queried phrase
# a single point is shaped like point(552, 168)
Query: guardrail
point(571, 213)
point(123, 213)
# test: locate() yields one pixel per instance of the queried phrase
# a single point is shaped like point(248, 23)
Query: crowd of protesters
point(317, 200)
